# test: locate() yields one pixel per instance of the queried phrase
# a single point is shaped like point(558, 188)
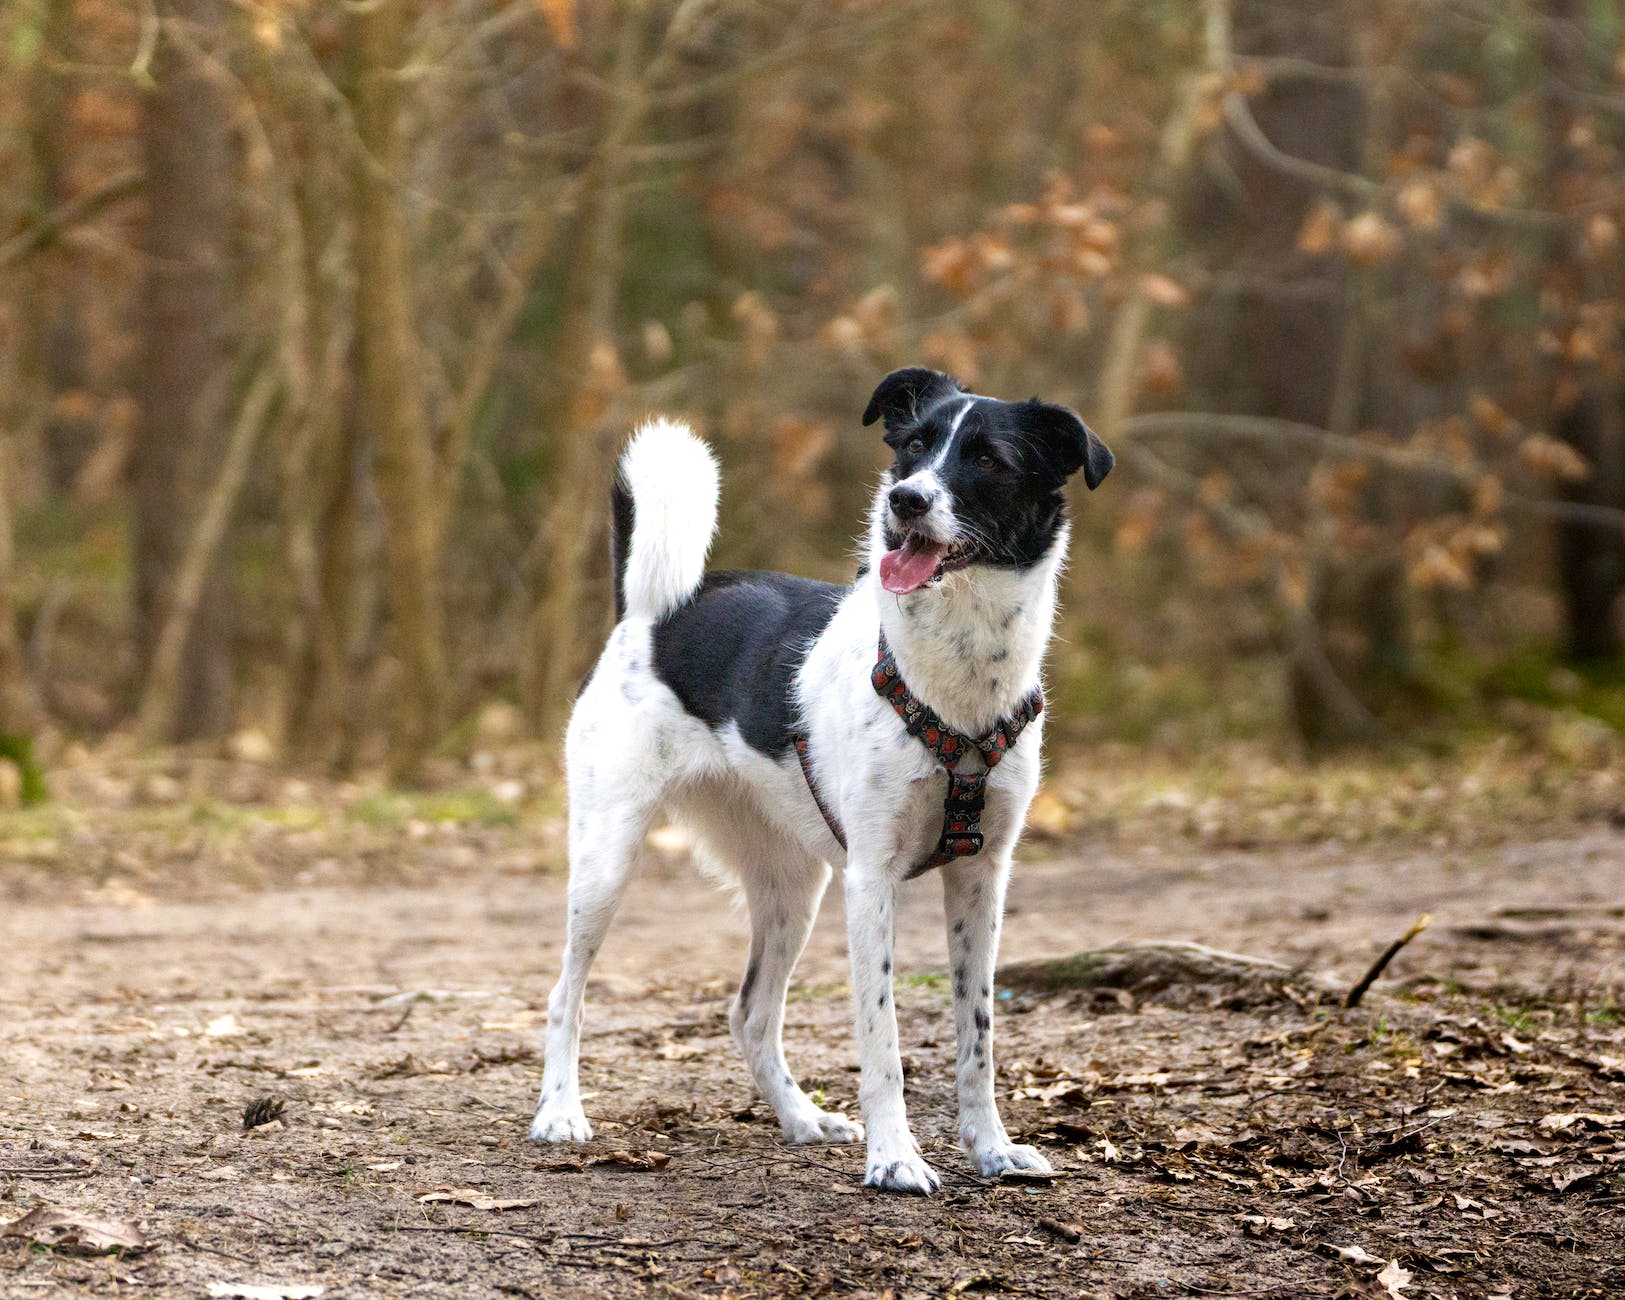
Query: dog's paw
point(1007, 1156)
point(560, 1124)
point(910, 1175)
point(822, 1126)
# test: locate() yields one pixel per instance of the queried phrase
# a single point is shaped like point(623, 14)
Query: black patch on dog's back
point(730, 653)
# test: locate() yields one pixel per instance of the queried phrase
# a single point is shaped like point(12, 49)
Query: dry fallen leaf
point(1565, 1120)
point(474, 1198)
point(1565, 1179)
point(1352, 1254)
point(1394, 1279)
point(1258, 1224)
point(73, 1231)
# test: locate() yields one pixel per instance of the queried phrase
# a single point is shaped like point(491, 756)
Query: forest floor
point(1460, 1134)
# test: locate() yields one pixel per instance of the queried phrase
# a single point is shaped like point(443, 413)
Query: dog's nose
point(908, 502)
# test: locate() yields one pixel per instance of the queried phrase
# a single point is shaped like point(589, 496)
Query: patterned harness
point(966, 795)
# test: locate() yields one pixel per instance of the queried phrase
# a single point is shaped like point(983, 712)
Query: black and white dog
point(791, 724)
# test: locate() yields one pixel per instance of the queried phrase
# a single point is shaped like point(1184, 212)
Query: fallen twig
point(1352, 998)
point(405, 1016)
point(628, 1243)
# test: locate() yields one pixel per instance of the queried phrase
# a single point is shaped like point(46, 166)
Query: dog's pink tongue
point(910, 566)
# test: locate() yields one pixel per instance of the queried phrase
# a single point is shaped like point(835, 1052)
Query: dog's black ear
point(903, 394)
point(1069, 443)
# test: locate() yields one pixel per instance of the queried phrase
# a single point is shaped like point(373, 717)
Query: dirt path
point(1209, 1141)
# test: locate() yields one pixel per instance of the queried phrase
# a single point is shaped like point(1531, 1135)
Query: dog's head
point(975, 480)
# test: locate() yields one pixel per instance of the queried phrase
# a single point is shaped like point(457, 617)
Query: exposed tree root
point(1146, 970)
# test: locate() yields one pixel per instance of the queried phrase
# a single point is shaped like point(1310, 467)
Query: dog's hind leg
point(783, 899)
point(604, 847)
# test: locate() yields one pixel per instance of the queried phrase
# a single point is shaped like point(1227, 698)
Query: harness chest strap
point(966, 795)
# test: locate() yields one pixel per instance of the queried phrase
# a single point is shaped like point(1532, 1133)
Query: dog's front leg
point(973, 892)
point(894, 1163)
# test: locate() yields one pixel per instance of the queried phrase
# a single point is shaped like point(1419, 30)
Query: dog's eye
point(985, 461)
point(915, 446)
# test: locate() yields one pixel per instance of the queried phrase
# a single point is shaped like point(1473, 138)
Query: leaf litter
point(1225, 1134)
point(76, 1232)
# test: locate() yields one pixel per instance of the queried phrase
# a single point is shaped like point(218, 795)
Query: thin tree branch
point(1118, 371)
point(1239, 115)
point(51, 227)
point(1352, 998)
point(1194, 423)
point(161, 693)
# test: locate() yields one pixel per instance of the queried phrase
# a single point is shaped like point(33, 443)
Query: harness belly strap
point(804, 755)
point(966, 795)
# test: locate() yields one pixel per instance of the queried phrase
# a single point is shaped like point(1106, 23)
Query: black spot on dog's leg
point(982, 1022)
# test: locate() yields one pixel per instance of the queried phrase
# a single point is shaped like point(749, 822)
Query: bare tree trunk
point(158, 702)
point(19, 716)
point(1119, 371)
point(1590, 405)
point(70, 435)
point(53, 330)
point(588, 362)
point(1332, 699)
point(187, 145)
point(1306, 360)
point(318, 468)
point(1591, 554)
point(392, 399)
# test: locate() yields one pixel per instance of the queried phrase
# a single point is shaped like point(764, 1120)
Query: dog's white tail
point(665, 511)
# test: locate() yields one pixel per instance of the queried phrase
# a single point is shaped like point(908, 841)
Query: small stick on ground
point(1352, 999)
point(405, 1016)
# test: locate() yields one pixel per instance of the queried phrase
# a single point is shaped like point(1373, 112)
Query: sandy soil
point(1466, 1122)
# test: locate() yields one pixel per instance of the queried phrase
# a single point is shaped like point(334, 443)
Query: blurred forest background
point(320, 324)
